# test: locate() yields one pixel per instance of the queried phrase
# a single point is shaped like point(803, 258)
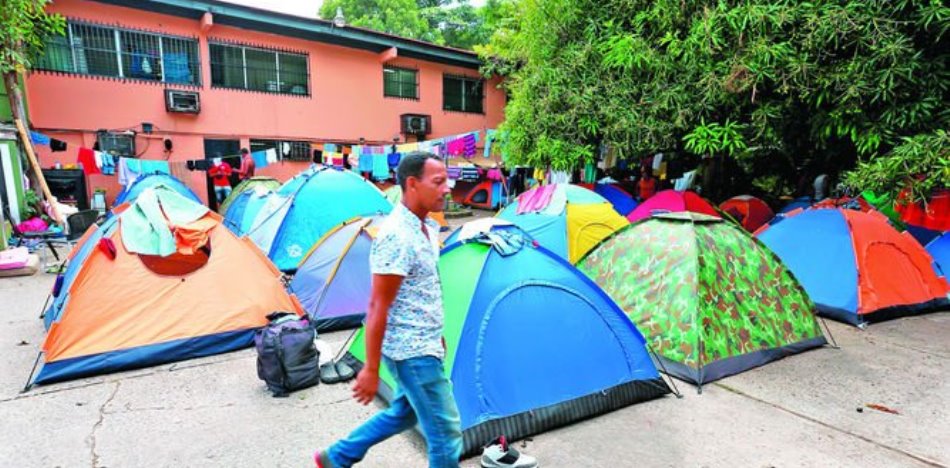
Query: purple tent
point(333, 280)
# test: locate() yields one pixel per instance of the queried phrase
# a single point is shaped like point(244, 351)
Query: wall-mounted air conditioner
point(415, 124)
point(182, 101)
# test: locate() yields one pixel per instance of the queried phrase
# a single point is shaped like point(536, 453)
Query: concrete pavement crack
point(102, 414)
point(919, 458)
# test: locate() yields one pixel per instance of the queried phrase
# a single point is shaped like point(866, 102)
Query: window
point(400, 82)
point(462, 94)
point(88, 49)
point(286, 150)
point(257, 69)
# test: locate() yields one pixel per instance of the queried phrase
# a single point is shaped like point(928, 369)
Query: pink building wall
point(346, 99)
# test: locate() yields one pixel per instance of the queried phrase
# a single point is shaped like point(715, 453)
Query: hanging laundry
point(495, 174)
point(454, 172)
point(560, 177)
point(393, 159)
point(57, 145)
point(455, 147)
point(489, 140)
point(152, 166)
point(260, 159)
point(179, 170)
point(469, 143)
point(329, 148)
point(87, 158)
point(38, 138)
point(365, 163)
point(469, 173)
point(271, 156)
point(380, 167)
point(108, 163)
point(590, 173)
point(126, 174)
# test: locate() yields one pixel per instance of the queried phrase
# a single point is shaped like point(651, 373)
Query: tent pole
point(346, 344)
point(834, 343)
point(676, 391)
point(29, 379)
point(62, 266)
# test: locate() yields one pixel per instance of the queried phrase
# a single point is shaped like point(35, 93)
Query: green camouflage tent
point(245, 185)
point(711, 299)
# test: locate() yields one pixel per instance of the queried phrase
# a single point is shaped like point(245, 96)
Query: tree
point(24, 29)
point(800, 84)
point(399, 17)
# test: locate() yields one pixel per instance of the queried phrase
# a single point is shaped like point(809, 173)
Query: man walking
point(404, 326)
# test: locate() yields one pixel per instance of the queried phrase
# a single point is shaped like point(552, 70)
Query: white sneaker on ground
point(498, 454)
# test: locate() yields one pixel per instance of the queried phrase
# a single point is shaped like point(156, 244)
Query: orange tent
point(119, 310)
point(749, 211)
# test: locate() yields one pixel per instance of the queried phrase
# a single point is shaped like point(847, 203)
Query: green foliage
point(924, 158)
point(444, 22)
point(775, 85)
point(24, 29)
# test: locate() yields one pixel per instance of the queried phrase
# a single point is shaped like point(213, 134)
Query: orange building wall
point(346, 101)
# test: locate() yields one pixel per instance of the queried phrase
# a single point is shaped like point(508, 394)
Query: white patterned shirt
point(414, 323)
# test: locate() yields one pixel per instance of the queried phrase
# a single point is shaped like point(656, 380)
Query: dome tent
point(751, 212)
point(568, 221)
point(504, 384)
point(265, 183)
point(243, 210)
point(136, 291)
point(621, 200)
point(333, 280)
point(672, 201)
point(313, 202)
point(855, 266)
point(710, 299)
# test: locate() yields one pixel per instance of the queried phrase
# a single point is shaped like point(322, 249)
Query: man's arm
point(384, 290)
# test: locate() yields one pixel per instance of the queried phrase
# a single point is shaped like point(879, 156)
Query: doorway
point(217, 148)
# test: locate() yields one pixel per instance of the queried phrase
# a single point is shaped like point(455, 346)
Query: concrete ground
point(807, 410)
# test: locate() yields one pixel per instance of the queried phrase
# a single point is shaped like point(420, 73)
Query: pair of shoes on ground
point(335, 372)
point(498, 454)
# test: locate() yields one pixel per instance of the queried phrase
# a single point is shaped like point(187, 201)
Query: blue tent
point(531, 343)
point(622, 201)
point(243, 210)
point(801, 202)
point(939, 249)
point(144, 181)
point(315, 201)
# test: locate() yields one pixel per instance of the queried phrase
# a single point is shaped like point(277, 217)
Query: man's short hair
point(244, 151)
point(413, 165)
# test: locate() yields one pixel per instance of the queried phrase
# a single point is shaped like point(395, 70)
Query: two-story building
point(188, 79)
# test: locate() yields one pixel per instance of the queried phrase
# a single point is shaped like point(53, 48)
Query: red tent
point(749, 211)
point(671, 201)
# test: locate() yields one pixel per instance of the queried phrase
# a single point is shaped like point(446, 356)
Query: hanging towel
point(535, 200)
point(87, 158)
point(469, 142)
point(366, 162)
point(469, 173)
point(590, 173)
point(456, 147)
point(57, 145)
point(380, 167)
point(454, 172)
point(151, 166)
point(179, 170)
point(489, 139)
point(98, 156)
point(329, 148)
point(38, 138)
point(260, 159)
point(271, 156)
point(495, 174)
point(126, 174)
point(393, 159)
point(108, 163)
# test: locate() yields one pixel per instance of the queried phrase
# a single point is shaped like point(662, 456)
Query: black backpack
point(287, 359)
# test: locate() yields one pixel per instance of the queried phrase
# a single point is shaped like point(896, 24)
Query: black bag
point(287, 359)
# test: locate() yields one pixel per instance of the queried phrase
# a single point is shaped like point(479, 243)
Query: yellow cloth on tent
point(587, 225)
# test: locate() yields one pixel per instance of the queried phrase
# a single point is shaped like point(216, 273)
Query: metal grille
point(287, 150)
point(256, 69)
point(400, 82)
point(462, 94)
point(96, 50)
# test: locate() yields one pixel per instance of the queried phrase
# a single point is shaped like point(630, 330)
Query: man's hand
point(367, 383)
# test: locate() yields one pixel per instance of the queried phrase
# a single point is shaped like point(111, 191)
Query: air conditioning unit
point(182, 101)
point(116, 143)
point(415, 124)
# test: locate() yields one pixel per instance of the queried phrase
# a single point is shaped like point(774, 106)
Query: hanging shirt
point(220, 174)
point(647, 187)
point(87, 158)
point(380, 167)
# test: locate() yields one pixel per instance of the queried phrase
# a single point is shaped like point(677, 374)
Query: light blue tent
point(243, 210)
point(313, 202)
point(531, 343)
point(144, 181)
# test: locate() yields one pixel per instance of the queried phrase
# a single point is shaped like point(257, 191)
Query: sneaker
point(498, 454)
point(322, 460)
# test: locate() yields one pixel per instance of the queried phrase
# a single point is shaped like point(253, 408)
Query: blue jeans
point(220, 193)
point(424, 396)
